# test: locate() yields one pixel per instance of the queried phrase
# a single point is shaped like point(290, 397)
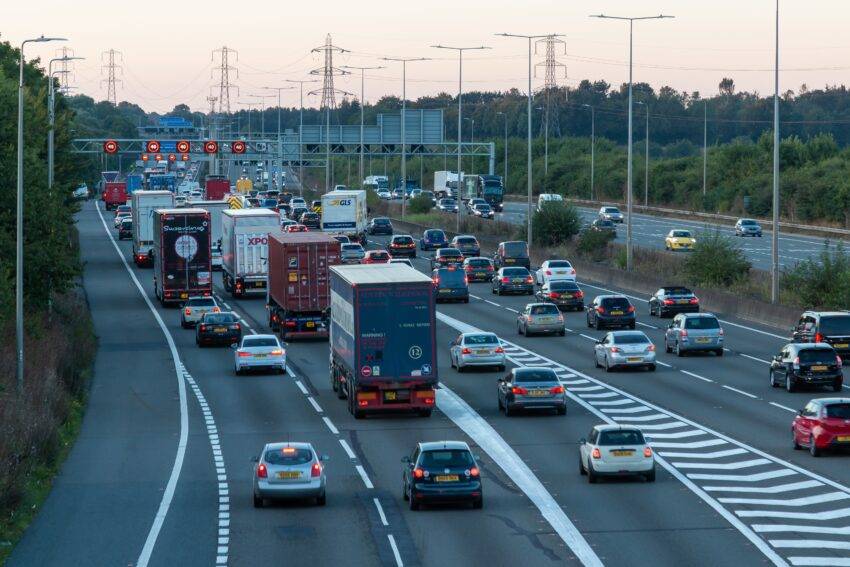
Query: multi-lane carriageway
point(161, 473)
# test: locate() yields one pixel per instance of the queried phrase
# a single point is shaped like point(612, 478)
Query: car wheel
point(651, 310)
point(258, 502)
point(608, 367)
point(794, 443)
point(589, 326)
point(322, 499)
point(632, 326)
point(562, 332)
point(773, 383)
point(813, 448)
point(836, 386)
point(478, 504)
point(499, 401)
point(452, 360)
point(650, 476)
point(404, 495)
point(719, 352)
point(518, 329)
point(508, 411)
point(667, 347)
point(414, 505)
point(238, 371)
point(591, 476)
point(460, 368)
point(790, 386)
point(562, 410)
point(651, 367)
point(581, 470)
point(678, 350)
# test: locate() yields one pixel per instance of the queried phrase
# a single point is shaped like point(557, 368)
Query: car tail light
point(236, 327)
point(616, 349)
point(720, 332)
point(556, 390)
point(466, 280)
point(554, 295)
point(203, 328)
point(474, 471)
point(631, 309)
point(596, 454)
point(529, 279)
point(418, 473)
point(650, 348)
point(316, 470)
point(466, 351)
point(436, 281)
point(684, 333)
point(796, 362)
point(499, 350)
point(188, 311)
point(489, 268)
point(572, 272)
point(548, 272)
point(647, 452)
point(216, 310)
point(506, 280)
point(243, 354)
point(560, 318)
point(838, 361)
point(694, 300)
point(207, 294)
point(668, 302)
point(579, 294)
point(600, 310)
point(468, 268)
point(277, 352)
point(262, 471)
point(518, 390)
point(818, 338)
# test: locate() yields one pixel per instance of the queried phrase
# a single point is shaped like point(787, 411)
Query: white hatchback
point(259, 352)
point(554, 270)
point(616, 450)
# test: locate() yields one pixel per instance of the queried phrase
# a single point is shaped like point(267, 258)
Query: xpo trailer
point(383, 338)
point(344, 212)
point(144, 204)
point(181, 259)
point(245, 250)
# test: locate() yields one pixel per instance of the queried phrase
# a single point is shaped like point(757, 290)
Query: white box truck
point(215, 208)
point(344, 213)
point(244, 249)
point(144, 203)
point(445, 184)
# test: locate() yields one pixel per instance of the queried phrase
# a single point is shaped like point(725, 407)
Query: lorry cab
point(451, 284)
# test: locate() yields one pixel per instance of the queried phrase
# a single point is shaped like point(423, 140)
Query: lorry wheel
point(425, 412)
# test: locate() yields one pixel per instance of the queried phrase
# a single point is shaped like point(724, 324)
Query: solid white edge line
point(396, 554)
point(171, 486)
point(364, 476)
point(380, 511)
point(330, 425)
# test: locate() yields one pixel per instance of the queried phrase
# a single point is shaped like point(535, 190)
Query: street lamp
point(300, 130)
point(592, 145)
point(51, 115)
point(19, 229)
point(279, 139)
point(362, 105)
point(250, 106)
point(774, 271)
point(472, 140)
point(460, 51)
point(629, 168)
point(704, 147)
point(646, 157)
point(404, 61)
point(530, 38)
point(505, 182)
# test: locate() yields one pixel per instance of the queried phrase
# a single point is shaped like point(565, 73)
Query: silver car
point(531, 388)
point(259, 351)
point(623, 349)
point(693, 332)
point(616, 450)
point(477, 349)
point(351, 253)
point(194, 310)
point(747, 227)
point(289, 470)
point(611, 214)
point(540, 318)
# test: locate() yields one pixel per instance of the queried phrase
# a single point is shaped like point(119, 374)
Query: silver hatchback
point(351, 253)
point(195, 308)
point(477, 349)
point(289, 470)
point(531, 388)
point(538, 318)
point(694, 332)
point(622, 349)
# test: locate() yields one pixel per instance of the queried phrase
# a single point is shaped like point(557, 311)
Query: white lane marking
point(380, 511)
point(587, 337)
point(640, 418)
point(315, 404)
point(364, 476)
point(664, 364)
point(330, 425)
point(612, 403)
point(780, 406)
point(347, 449)
point(171, 486)
point(474, 296)
point(637, 409)
point(823, 530)
point(703, 378)
point(302, 388)
point(757, 359)
point(820, 516)
point(722, 466)
point(776, 489)
point(396, 554)
point(511, 310)
point(688, 445)
point(468, 420)
point(793, 502)
point(492, 302)
point(646, 325)
point(712, 455)
point(587, 389)
point(743, 393)
point(225, 304)
point(603, 395)
point(744, 477)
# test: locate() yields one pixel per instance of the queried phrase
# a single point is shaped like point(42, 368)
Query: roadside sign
point(110, 146)
point(211, 147)
point(152, 146)
point(172, 157)
point(238, 147)
point(182, 147)
point(185, 157)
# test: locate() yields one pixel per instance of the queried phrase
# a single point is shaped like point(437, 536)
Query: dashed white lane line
point(646, 325)
point(492, 302)
point(743, 393)
point(225, 304)
point(780, 406)
point(315, 404)
point(474, 296)
point(347, 449)
point(697, 376)
point(380, 511)
point(587, 337)
point(664, 364)
point(301, 387)
point(396, 554)
point(330, 425)
point(364, 476)
point(511, 310)
point(757, 359)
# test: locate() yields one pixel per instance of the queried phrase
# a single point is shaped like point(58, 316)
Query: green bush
point(594, 244)
point(419, 204)
point(822, 283)
point(716, 261)
point(556, 224)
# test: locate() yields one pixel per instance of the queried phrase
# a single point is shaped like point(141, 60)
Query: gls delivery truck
point(344, 212)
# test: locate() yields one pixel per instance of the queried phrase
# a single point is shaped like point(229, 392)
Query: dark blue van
point(450, 284)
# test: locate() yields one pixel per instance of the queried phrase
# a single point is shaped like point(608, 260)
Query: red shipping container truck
point(299, 294)
point(216, 187)
point(182, 255)
point(114, 194)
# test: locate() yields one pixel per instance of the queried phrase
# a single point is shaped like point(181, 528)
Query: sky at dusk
point(167, 47)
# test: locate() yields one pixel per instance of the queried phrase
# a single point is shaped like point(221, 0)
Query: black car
point(673, 299)
point(402, 245)
point(284, 209)
point(563, 293)
point(806, 364)
point(831, 327)
point(433, 239)
point(468, 245)
point(446, 257)
point(380, 225)
point(603, 225)
point(296, 212)
point(442, 471)
point(125, 229)
point(218, 328)
point(478, 269)
point(513, 280)
point(513, 253)
point(311, 220)
point(608, 311)
point(450, 284)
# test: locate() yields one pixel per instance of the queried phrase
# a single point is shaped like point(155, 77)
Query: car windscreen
point(201, 302)
point(269, 203)
point(450, 458)
point(535, 375)
point(749, 222)
point(616, 303)
point(451, 277)
point(547, 309)
point(478, 262)
point(817, 356)
point(630, 339)
point(702, 323)
point(381, 221)
point(379, 255)
point(560, 264)
point(259, 342)
point(563, 286)
point(835, 325)
point(681, 234)
point(840, 411)
point(515, 272)
point(448, 202)
point(450, 252)
point(480, 340)
point(621, 437)
point(288, 456)
point(435, 235)
point(677, 291)
point(482, 207)
point(611, 210)
point(604, 223)
point(403, 240)
point(352, 248)
point(219, 318)
point(466, 240)
point(516, 249)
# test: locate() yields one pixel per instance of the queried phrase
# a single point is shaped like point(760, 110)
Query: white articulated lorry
point(144, 203)
point(244, 249)
point(344, 213)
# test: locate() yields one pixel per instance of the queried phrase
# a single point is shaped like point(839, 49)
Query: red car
point(376, 257)
point(822, 425)
point(295, 228)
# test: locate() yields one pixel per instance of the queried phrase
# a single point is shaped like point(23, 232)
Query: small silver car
point(540, 318)
point(477, 349)
point(531, 387)
point(619, 349)
point(747, 227)
point(611, 214)
point(351, 253)
point(195, 308)
point(289, 470)
point(259, 351)
point(693, 332)
point(616, 450)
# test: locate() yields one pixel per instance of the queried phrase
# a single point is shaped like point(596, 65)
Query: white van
point(546, 198)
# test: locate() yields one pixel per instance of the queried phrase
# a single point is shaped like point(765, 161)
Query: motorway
point(161, 473)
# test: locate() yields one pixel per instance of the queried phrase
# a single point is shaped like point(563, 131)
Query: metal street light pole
point(263, 118)
point(592, 145)
point(279, 139)
point(629, 169)
point(250, 106)
point(505, 180)
point(472, 140)
point(300, 131)
point(774, 271)
point(704, 147)
point(646, 157)
point(362, 105)
point(530, 211)
point(52, 116)
point(19, 226)
point(460, 51)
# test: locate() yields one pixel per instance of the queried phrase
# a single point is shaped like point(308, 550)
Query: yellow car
point(680, 240)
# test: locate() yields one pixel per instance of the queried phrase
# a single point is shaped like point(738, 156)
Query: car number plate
point(634, 358)
point(259, 356)
point(819, 368)
point(288, 474)
point(566, 295)
point(546, 319)
point(537, 393)
point(390, 396)
point(703, 340)
point(682, 301)
point(184, 295)
point(445, 291)
point(447, 478)
point(622, 453)
point(517, 280)
point(220, 329)
point(482, 351)
point(616, 313)
point(840, 345)
point(481, 274)
point(311, 324)
point(843, 438)
point(509, 260)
